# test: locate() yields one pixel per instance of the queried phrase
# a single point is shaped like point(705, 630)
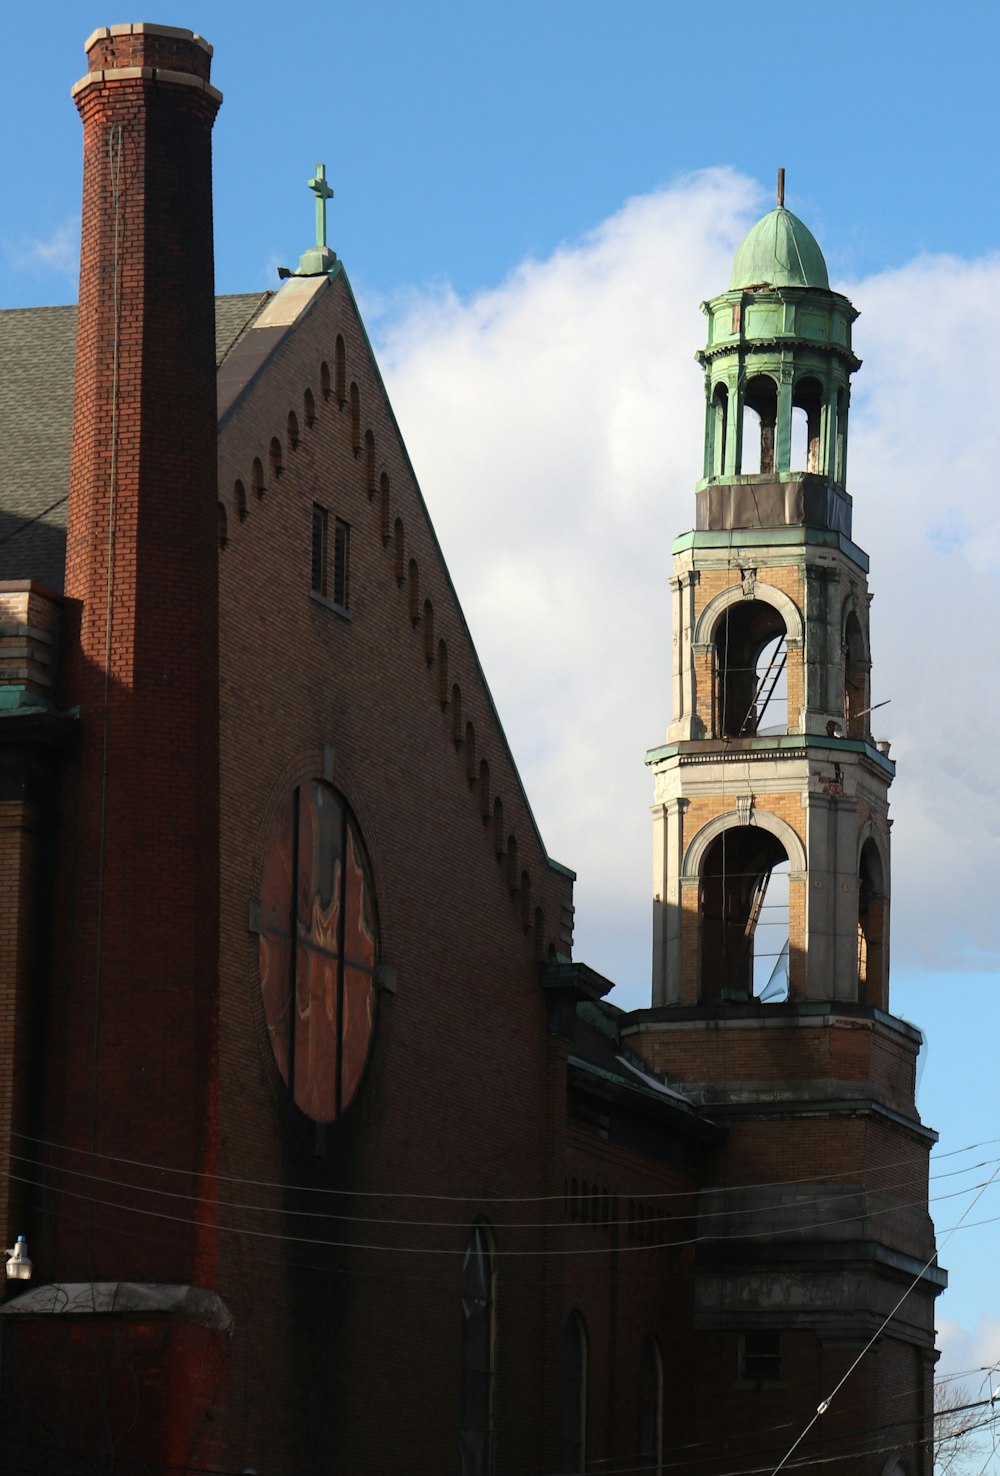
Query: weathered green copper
point(323, 192)
point(318, 258)
point(779, 252)
point(779, 341)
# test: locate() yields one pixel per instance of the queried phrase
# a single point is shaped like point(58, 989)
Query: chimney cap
point(144, 28)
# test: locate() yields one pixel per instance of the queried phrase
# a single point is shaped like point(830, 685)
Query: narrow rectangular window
point(319, 560)
point(341, 548)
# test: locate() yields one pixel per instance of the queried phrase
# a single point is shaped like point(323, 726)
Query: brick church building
point(329, 1155)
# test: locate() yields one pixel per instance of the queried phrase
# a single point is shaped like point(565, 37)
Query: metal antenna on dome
point(781, 189)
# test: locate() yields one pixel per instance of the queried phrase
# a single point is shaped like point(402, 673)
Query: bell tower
point(771, 795)
point(771, 887)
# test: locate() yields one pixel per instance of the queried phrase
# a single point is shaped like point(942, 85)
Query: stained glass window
point(318, 950)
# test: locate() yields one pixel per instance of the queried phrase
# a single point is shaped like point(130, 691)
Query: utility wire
point(285, 1186)
point(771, 1233)
point(824, 1404)
point(583, 1221)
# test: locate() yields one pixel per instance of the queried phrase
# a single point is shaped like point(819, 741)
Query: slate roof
point(37, 355)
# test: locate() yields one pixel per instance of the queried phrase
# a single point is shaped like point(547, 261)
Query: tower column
point(668, 855)
point(734, 435)
point(686, 723)
point(783, 439)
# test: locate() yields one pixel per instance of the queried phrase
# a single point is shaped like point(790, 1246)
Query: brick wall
point(458, 1091)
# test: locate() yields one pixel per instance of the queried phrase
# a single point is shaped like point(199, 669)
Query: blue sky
point(462, 138)
point(557, 186)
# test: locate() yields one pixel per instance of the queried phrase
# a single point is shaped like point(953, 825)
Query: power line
point(771, 1233)
point(824, 1404)
point(287, 1187)
point(584, 1221)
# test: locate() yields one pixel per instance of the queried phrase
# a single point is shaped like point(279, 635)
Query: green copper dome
point(781, 252)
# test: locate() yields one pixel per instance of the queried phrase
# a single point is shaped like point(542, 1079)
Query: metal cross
point(323, 192)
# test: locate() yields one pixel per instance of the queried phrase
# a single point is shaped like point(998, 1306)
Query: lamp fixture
point(19, 1267)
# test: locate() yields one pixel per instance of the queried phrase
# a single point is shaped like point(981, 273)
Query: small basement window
point(760, 1357)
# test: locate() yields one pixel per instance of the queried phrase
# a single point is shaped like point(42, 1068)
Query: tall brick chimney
point(130, 1067)
point(121, 1348)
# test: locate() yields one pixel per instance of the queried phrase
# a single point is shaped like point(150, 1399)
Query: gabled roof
point(37, 361)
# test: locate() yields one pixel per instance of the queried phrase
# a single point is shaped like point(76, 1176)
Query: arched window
point(478, 1340)
point(292, 430)
point(257, 477)
point(309, 408)
point(760, 415)
point(872, 904)
point(751, 693)
point(275, 458)
point(856, 668)
point(744, 917)
point(356, 420)
point(239, 499)
point(807, 407)
point(340, 372)
point(573, 1396)
point(651, 1408)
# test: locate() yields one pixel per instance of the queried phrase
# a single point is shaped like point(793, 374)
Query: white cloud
point(59, 253)
point(556, 424)
point(969, 1353)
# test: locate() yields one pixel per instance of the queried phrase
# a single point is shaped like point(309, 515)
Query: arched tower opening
point(856, 667)
point(872, 908)
point(760, 417)
point(743, 899)
point(807, 425)
point(751, 694)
